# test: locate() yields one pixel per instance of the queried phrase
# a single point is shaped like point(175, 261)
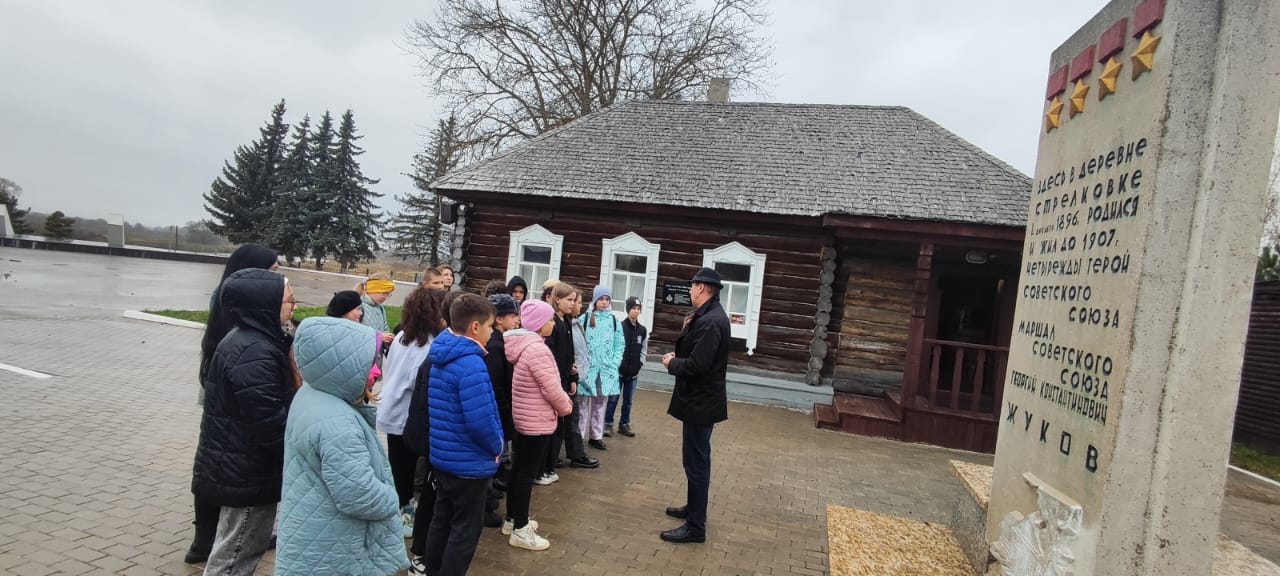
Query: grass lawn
point(1255, 461)
point(202, 316)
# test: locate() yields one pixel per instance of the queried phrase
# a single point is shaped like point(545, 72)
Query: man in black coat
point(699, 401)
point(239, 462)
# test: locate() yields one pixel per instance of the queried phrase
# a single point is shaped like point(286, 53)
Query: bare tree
point(513, 69)
point(1272, 231)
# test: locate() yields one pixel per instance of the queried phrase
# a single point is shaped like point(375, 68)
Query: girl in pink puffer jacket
point(537, 401)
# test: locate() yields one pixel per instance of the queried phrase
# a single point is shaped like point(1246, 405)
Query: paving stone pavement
point(97, 460)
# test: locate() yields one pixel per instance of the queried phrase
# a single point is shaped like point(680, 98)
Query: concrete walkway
point(97, 458)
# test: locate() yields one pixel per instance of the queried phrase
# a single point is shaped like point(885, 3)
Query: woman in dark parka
point(247, 256)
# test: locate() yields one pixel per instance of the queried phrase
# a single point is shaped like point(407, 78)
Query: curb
point(158, 319)
point(341, 275)
point(1255, 476)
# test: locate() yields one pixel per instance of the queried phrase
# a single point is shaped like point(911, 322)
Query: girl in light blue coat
point(605, 344)
point(339, 513)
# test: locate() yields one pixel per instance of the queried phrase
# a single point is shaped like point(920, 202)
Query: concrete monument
point(1155, 150)
point(6, 225)
point(115, 230)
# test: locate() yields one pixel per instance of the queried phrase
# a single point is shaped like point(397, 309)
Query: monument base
point(969, 520)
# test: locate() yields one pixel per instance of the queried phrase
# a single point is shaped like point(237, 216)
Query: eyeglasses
point(291, 302)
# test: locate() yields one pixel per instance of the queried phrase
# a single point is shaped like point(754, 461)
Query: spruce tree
point(58, 227)
point(240, 201)
point(9, 192)
point(416, 231)
point(318, 207)
point(1268, 265)
point(290, 232)
point(355, 219)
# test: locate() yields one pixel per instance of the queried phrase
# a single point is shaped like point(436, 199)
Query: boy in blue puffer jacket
point(466, 435)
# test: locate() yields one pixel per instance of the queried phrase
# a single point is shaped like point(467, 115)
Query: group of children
point(477, 396)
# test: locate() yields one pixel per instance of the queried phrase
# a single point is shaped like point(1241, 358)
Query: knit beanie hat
point(504, 304)
point(343, 302)
point(601, 291)
point(633, 302)
point(534, 314)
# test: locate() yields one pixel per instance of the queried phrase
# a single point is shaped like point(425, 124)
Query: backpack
point(587, 317)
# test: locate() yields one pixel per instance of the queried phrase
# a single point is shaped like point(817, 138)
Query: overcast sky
point(132, 106)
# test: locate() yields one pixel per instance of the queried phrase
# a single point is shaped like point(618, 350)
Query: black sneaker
point(625, 430)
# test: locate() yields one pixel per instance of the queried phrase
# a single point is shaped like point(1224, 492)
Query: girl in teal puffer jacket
point(605, 344)
point(339, 513)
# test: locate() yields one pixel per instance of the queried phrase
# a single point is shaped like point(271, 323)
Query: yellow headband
point(379, 286)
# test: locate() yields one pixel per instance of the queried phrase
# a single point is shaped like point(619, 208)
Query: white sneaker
point(509, 526)
point(544, 480)
point(553, 477)
point(528, 539)
point(417, 566)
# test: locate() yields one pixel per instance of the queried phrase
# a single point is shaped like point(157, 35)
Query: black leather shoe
point(625, 430)
point(684, 535)
point(561, 462)
point(587, 463)
point(597, 444)
point(680, 512)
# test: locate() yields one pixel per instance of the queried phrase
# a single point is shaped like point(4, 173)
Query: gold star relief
point(1107, 83)
point(1078, 95)
point(1144, 58)
point(1054, 116)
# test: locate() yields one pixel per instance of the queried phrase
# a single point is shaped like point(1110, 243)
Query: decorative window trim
point(633, 244)
point(735, 253)
point(534, 235)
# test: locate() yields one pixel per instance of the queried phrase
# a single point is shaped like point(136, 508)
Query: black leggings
point(206, 514)
point(528, 462)
point(426, 509)
point(404, 465)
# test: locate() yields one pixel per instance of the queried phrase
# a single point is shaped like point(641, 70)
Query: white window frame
point(635, 245)
point(534, 235)
point(735, 253)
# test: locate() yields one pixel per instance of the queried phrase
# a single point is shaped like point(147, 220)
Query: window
point(737, 289)
point(629, 266)
point(535, 255)
point(742, 272)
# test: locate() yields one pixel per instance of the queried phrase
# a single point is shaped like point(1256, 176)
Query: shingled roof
point(785, 159)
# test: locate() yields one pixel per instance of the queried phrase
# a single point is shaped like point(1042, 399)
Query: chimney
point(718, 91)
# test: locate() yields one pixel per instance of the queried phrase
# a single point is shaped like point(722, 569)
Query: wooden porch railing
point(963, 377)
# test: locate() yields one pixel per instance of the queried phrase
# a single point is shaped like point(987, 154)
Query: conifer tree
point(240, 201)
point(354, 233)
point(58, 227)
point(9, 192)
point(416, 231)
point(317, 208)
point(1268, 265)
point(290, 232)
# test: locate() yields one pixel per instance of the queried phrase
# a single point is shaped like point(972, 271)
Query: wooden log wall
point(1256, 422)
point(793, 269)
point(875, 319)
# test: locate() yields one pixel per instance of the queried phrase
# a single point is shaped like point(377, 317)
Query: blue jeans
point(628, 395)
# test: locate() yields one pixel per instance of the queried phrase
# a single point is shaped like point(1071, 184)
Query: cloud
point(132, 107)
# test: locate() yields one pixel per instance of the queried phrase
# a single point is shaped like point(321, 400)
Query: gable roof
point(784, 159)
